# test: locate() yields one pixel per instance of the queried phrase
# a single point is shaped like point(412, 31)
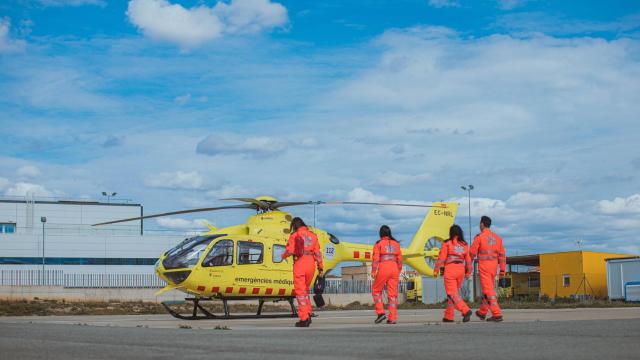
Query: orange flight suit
point(386, 268)
point(488, 247)
point(303, 245)
point(454, 256)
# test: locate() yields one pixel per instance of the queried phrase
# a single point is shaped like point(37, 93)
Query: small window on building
point(249, 252)
point(278, 250)
point(221, 254)
point(566, 280)
point(7, 228)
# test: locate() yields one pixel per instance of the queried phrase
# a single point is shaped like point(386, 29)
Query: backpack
point(318, 289)
point(299, 246)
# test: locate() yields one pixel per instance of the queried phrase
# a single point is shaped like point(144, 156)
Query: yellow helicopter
point(243, 262)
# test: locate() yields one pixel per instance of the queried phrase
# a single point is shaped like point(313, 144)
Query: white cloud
point(230, 191)
point(391, 178)
point(444, 3)
point(28, 171)
point(161, 20)
point(181, 224)
point(63, 87)
point(23, 188)
point(176, 180)
point(308, 142)
point(190, 27)
point(182, 99)
point(61, 3)
point(4, 183)
point(251, 16)
point(620, 205)
point(526, 199)
point(362, 195)
point(7, 44)
point(437, 77)
point(232, 145)
point(511, 4)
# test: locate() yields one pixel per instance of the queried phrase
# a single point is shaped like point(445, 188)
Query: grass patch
point(41, 307)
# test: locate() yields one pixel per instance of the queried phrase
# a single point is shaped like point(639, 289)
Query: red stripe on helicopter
point(243, 290)
point(201, 288)
point(367, 255)
point(269, 291)
point(228, 290)
point(255, 291)
point(281, 291)
point(356, 254)
point(215, 289)
point(293, 292)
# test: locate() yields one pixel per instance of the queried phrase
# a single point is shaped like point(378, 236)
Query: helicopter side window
point(278, 250)
point(250, 252)
point(221, 254)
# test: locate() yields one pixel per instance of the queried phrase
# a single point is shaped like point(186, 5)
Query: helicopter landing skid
point(227, 316)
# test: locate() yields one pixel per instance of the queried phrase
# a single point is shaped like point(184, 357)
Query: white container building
point(622, 273)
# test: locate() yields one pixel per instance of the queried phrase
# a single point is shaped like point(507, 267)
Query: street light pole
point(109, 195)
point(468, 189)
point(43, 220)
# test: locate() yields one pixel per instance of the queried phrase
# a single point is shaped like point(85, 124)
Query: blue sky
point(178, 104)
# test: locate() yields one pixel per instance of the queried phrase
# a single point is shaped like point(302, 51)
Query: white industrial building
point(60, 232)
point(623, 278)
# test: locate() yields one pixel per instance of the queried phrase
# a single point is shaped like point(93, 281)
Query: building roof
point(526, 260)
point(623, 258)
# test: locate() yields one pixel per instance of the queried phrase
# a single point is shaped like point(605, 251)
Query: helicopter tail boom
point(435, 226)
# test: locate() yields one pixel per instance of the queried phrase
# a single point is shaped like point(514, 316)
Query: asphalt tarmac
point(525, 334)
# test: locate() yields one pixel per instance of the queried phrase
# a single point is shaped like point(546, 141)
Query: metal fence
point(59, 278)
point(355, 287)
point(31, 278)
point(138, 281)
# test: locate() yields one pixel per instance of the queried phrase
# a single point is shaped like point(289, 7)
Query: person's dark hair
point(297, 223)
point(454, 231)
point(386, 231)
point(486, 221)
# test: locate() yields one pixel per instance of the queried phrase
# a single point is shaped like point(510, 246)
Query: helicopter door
point(218, 264)
point(252, 277)
point(282, 269)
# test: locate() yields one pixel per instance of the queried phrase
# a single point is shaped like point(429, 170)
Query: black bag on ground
point(318, 289)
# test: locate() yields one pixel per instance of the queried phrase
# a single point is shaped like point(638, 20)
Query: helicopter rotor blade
point(374, 203)
point(292, 203)
point(178, 212)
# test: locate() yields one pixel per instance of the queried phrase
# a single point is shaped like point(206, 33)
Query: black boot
point(481, 317)
point(447, 320)
point(495, 318)
point(390, 322)
point(467, 316)
point(380, 318)
point(303, 323)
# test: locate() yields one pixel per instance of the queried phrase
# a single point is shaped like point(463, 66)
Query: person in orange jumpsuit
point(454, 256)
point(489, 249)
point(303, 245)
point(385, 270)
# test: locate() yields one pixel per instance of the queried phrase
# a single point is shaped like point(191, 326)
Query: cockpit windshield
point(187, 253)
